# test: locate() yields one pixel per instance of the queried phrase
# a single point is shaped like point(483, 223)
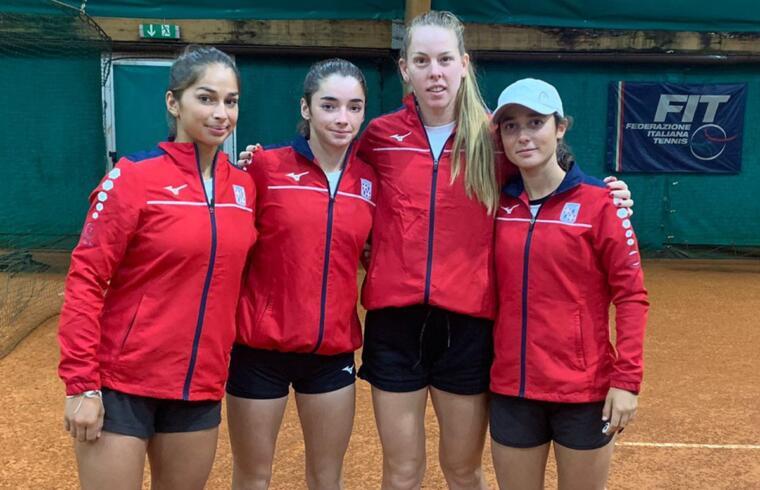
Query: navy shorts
point(265, 374)
point(517, 422)
point(410, 348)
point(142, 417)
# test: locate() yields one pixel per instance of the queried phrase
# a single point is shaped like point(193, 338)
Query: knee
point(323, 479)
point(462, 474)
point(403, 475)
point(251, 478)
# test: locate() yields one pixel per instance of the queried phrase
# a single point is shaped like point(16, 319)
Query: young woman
point(429, 290)
point(563, 253)
point(297, 320)
point(149, 312)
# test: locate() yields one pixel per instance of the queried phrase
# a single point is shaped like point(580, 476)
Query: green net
point(52, 155)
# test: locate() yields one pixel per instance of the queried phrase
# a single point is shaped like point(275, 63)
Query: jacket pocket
point(131, 325)
point(266, 309)
point(579, 350)
point(554, 329)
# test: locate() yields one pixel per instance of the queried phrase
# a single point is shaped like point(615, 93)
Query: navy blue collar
point(301, 146)
point(573, 178)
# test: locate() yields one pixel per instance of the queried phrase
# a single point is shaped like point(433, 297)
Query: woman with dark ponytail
point(149, 309)
point(297, 320)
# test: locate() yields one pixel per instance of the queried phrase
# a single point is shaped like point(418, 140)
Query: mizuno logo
point(175, 190)
point(295, 176)
point(509, 209)
point(349, 369)
point(400, 137)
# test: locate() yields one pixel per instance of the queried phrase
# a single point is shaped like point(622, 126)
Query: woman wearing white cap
point(563, 253)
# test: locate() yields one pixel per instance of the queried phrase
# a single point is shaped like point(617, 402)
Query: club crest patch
point(239, 194)
point(366, 189)
point(570, 212)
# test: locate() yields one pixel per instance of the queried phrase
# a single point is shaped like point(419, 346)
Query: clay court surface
point(697, 426)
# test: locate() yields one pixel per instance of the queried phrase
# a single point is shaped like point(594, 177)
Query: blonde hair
point(473, 124)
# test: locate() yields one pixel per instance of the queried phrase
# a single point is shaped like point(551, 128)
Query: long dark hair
point(188, 68)
point(565, 156)
point(321, 70)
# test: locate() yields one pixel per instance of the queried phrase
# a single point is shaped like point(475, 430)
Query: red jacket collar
point(185, 157)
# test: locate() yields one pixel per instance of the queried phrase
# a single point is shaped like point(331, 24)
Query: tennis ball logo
point(709, 141)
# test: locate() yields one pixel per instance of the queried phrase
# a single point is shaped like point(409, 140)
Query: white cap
point(536, 95)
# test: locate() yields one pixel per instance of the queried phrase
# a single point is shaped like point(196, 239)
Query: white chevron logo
point(295, 176)
point(400, 137)
point(175, 190)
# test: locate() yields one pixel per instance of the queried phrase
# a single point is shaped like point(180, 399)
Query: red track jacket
point(431, 244)
point(300, 293)
point(151, 293)
point(556, 276)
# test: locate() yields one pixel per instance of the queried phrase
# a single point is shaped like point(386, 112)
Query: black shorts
point(142, 417)
point(410, 348)
point(521, 423)
point(265, 374)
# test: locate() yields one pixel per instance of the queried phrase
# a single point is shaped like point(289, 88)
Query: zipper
point(328, 242)
point(524, 340)
point(431, 223)
point(209, 272)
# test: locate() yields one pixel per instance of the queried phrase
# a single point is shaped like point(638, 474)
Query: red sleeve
point(110, 224)
point(364, 151)
point(619, 252)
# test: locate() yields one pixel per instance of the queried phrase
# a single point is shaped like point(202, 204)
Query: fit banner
point(668, 127)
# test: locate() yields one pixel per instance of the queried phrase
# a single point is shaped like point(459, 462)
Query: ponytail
point(475, 139)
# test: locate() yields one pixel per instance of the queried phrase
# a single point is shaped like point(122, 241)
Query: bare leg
point(326, 436)
point(181, 459)
point(114, 461)
point(463, 420)
point(519, 468)
point(585, 470)
point(253, 426)
point(400, 421)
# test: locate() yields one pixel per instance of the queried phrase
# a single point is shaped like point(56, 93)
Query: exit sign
point(159, 31)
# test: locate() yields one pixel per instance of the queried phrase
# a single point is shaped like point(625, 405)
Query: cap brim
point(540, 109)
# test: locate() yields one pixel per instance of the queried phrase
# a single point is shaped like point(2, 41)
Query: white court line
point(679, 445)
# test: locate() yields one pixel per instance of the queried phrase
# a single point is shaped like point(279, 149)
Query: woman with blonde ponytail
point(429, 289)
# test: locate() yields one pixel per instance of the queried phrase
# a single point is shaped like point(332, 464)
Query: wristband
point(87, 394)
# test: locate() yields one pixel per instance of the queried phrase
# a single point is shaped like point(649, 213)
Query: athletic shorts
point(410, 348)
point(142, 417)
point(517, 422)
point(265, 374)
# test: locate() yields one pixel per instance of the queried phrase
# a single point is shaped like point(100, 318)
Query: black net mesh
point(52, 154)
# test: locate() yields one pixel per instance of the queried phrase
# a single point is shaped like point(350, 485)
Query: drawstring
point(422, 335)
point(448, 329)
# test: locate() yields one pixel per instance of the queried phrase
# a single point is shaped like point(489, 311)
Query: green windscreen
point(52, 129)
point(139, 107)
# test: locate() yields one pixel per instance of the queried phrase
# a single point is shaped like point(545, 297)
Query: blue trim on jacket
point(145, 155)
point(573, 178)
